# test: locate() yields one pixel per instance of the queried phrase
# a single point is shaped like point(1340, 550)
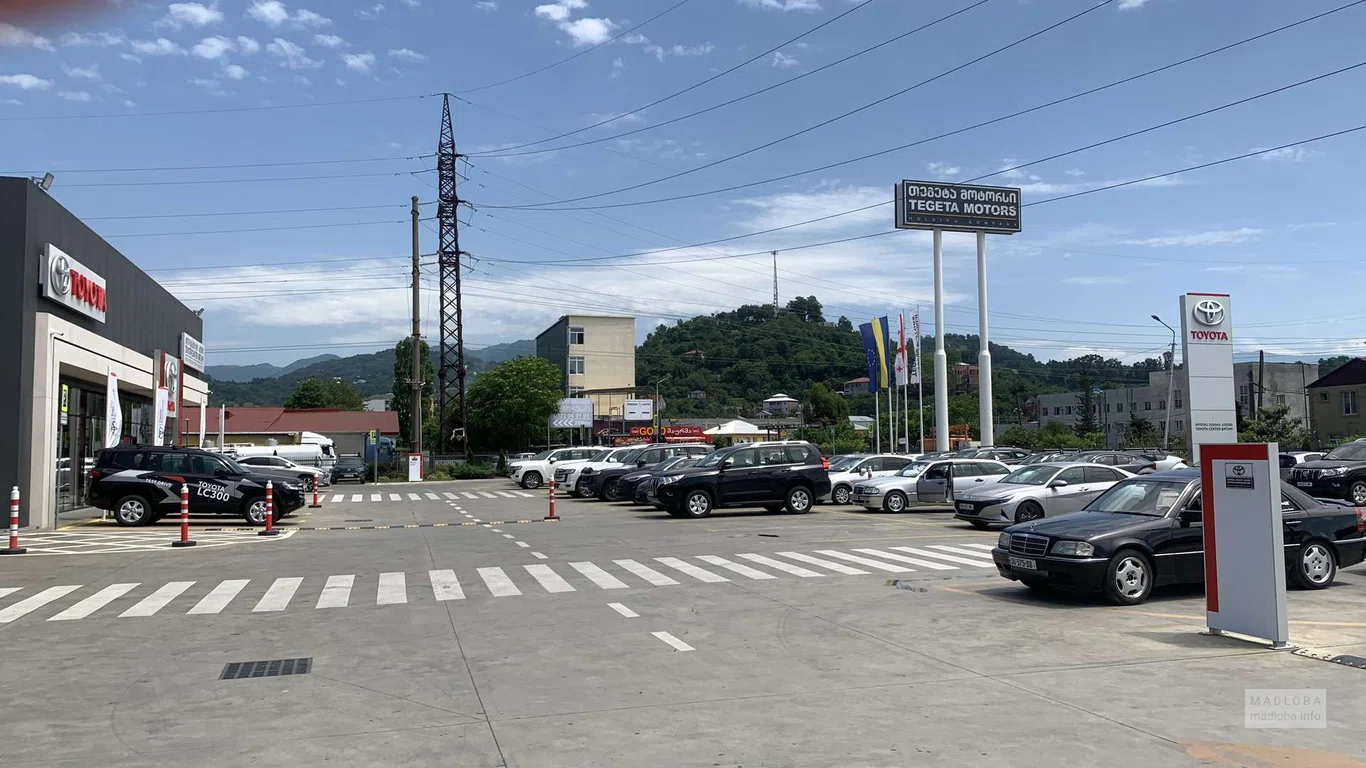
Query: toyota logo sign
point(1208, 312)
point(61, 274)
point(70, 283)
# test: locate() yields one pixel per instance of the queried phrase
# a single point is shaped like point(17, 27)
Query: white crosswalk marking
point(960, 551)
point(498, 582)
point(449, 495)
point(549, 579)
point(987, 547)
point(649, 574)
point(395, 497)
point(356, 497)
point(376, 497)
point(700, 574)
point(339, 497)
point(507, 536)
point(942, 556)
point(468, 495)
point(414, 497)
point(538, 555)
point(743, 570)
point(393, 589)
point(4, 591)
point(28, 605)
point(95, 602)
point(903, 559)
point(678, 645)
point(623, 610)
point(154, 602)
point(524, 494)
point(881, 566)
point(523, 544)
point(219, 597)
point(486, 494)
point(278, 596)
point(597, 575)
point(836, 567)
point(795, 570)
point(445, 586)
point(507, 494)
point(433, 496)
point(336, 592)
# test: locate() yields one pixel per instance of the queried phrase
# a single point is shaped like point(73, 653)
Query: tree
point(402, 397)
point(807, 309)
point(1086, 403)
point(824, 407)
point(1273, 425)
point(342, 394)
point(314, 392)
point(1140, 432)
point(510, 404)
point(1018, 437)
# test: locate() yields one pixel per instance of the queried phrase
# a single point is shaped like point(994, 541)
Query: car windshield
point(1152, 498)
point(601, 456)
point(542, 456)
point(713, 459)
point(1036, 474)
point(629, 456)
point(845, 464)
point(350, 463)
point(914, 469)
point(1348, 452)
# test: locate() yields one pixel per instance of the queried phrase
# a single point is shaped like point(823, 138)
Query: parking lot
point(449, 624)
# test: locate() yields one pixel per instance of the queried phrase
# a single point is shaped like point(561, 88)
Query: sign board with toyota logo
point(71, 284)
point(168, 376)
point(1207, 349)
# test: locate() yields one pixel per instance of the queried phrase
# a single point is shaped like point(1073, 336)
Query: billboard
point(1207, 354)
point(957, 207)
point(692, 433)
point(639, 410)
point(192, 352)
point(573, 412)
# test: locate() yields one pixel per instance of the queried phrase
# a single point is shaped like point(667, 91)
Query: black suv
point(772, 475)
point(604, 483)
point(141, 484)
point(1340, 474)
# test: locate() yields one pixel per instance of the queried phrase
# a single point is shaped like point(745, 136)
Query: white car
point(533, 472)
point(320, 476)
point(567, 473)
point(1035, 491)
point(927, 482)
point(846, 471)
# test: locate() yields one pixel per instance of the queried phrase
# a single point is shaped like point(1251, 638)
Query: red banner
point(687, 433)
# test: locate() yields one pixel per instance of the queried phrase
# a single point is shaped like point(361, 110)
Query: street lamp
point(659, 419)
point(1171, 378)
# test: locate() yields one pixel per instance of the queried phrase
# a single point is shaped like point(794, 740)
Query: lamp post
point(1171, 378)
point(659, 419)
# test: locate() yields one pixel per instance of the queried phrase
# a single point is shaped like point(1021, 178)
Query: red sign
point(693, 433)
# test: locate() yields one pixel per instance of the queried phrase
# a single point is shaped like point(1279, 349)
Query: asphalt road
point(443, 630)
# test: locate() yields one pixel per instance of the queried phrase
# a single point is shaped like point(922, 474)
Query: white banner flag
point(204, 406)
point(113, 414)
point(900, 363)
point(915, 346)
point(159, 417)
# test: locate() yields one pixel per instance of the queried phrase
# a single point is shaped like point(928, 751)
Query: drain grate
point(241, 670)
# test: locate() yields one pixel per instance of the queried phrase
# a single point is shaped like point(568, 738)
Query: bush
point(470, 472)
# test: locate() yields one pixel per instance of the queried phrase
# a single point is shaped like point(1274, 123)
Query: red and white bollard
point(270, 512)
point(315, 504)
point(14, 548)
point(552, 516)
point(184, 540)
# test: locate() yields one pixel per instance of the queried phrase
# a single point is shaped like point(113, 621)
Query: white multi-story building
point(594, 353)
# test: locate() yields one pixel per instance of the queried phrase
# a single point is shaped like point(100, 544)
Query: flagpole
point(906, 389)
point(877, 420)
point(920, 385)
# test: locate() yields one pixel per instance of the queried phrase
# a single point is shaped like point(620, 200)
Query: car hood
point(639, 474)
point(1329, 464)
point(996, 491)
point(1085, 525)
point(886, 482)
point(848, 477)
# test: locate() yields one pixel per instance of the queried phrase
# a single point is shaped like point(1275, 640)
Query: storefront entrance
point(80, 435)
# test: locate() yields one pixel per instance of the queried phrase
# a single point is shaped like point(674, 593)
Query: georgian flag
point(900, 364)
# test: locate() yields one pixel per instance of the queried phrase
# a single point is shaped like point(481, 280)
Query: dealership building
point(81, 320)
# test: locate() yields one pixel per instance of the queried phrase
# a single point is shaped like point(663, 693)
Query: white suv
point(847, 471)
point(567, 472)
point(533, 472)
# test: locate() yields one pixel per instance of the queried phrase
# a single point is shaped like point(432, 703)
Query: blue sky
point(262, 82)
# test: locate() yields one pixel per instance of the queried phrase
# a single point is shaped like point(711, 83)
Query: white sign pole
point(985, 415)
point(113, 414)
point(919, 381)
point(941, 358)
point(203, 406)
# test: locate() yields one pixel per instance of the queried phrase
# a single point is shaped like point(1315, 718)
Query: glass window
point(774, 455)
point(1348, 452)
point(1073, 475)
point(205, 465)
point(1280, 399)
point(1180, 424)
point(1069, 410)
point(1153, 498)
point(168, 462)
point(1323, 397)
point(129, 459)
point(745, 458)
point(652, 456)
point(1147, 405)
point(1057, 410)
point(576, 365)
point(967, 469)
point(1161, 405)
point(1288, 504)
point(1176, 398)
point(914, 469)
point(1243, 394)
point(894, 463)
point(1349, 403)
point(576, 391)
point(994, 468)
point(575, 335)
point(1100, 475)
point(936, 472)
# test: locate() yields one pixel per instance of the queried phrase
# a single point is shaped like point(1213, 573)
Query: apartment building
point(595, 353)
point(1335, 403)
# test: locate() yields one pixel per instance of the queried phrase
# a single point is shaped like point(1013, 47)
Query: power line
point(394, 174)
point(209, 214)
point(257, 229)
point(220, 167)
point(216, 111)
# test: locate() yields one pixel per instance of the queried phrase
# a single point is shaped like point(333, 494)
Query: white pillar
point(984, 356)
point(941, 358)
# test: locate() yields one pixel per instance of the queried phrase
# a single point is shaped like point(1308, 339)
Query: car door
point(1186, 547)
point(967, 475)
point(739, 482)
point(1069, 497)
point(211, 484)
point(933, 485)
point(775, 463)
point(1098, 481)
point(1293, 522)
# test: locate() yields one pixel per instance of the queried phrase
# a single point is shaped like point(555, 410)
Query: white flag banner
point(915, 345)
point(159, 417)
point(204, 406)
point(113, 414)
point(900, 363)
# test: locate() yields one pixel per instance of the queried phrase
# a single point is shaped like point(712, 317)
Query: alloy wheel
point(257, 512)
point(799, 500)
point(841, 495)
point(1131, 577)
point(1359, 493)
point(697, 505)
point(895, 502)
point(1316, 562)
point(133, 511)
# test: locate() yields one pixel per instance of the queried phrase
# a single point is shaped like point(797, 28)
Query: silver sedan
point(1034, 491)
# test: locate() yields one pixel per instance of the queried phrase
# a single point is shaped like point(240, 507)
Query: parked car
point(1292, 459)
point(1146, 532)
point(921, 483)
point(640, 485)
point(349, 468)
point(567, 473)
point(605, 483)
point(1046, 456)
point(1161, 459)
point(279, 466)
point(1129, 462)
point(1035, 491)
point(141, 484)
point(1003, 455)
point(1340, 474)
point(774, 475)
point(533, 472)
point(851, 469)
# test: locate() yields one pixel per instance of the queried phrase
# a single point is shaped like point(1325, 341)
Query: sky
point(258, 158)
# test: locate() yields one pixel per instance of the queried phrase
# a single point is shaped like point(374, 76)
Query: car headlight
point(669, 479)
point(1073, 548)
point(995, 502)
point(294, 486)
point(1334, 471)
point(1003, 541)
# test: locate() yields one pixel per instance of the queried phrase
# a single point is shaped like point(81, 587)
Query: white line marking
point(449, 495)
point(942, 556)
point(488, 495)
point(623, 610)
point(393, 589)
point(549, 579)
point(903, 559)
point(507, 536)
point(278, 596)
point(987, 547)
point(508, 495)
point(700, 574)
point(414, 497)
point(154, 602)
point(523, 544)
point(599, 576)
point(218, 599)
point(28, 605)
point(336, 592)
point(339, 497)
point(524, 494)
point(395, 497)
point(498, 582)
point(4, 591)
point(377, 497)
point(538, 555)
point(468, 495)
point(433, 496)
point(878, 564)
point(356, 497)
point(795, 570)
point(959, 551)
point(445, 586)
point(743, 570)
point(836, 567)
point(649, 574)
point(95, 602)
point(678, 645)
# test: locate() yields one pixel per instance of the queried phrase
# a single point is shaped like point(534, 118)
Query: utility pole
point(449, 264)
point(1261, 381)
point(415, 404)
point(775, 283)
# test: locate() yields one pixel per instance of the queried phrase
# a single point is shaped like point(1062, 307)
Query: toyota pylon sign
point(1207, 351)
point(71, 284)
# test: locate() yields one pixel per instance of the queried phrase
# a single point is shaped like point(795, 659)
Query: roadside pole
point(14, 548)
point(984, 404)
point(941, 358)
point(415, 399)
point(270, 512)
point(550, 516)
point(184, 540)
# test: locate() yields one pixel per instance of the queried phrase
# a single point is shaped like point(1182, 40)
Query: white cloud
point(413, 3)
point(943, 170)
point(588, 31)
point(371, 13)
point(785, 5)
point(18, 37)
point(360, 62)
point(691, 50)
point(213, 47)
point(234, 72)
point(1189, 239)
point(1074, 172)
point(26, 82)
point(12, 102)
point(1129, 5)
point(783, 61)
point(158, 47)
point(1288, 154)
point(270, 12)
point(247, 45)
point(96, 39)
point(328, 41)
point(618, 64)
point(292, 56)
point(560, 11)
point(307, 18)
point(91, 72)
point(130, 57)
point(787, 208)
point(75, 95)
point(486, 5)
point(1094, 280)
point(194, 14)
point(407, 54)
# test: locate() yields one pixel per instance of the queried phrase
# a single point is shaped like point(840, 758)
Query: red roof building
point(259, 425)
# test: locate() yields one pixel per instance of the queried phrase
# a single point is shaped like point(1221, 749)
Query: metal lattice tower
point(452, 364)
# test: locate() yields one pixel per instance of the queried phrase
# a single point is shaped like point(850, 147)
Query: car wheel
point(840, 495)
point(531, 481)
point(254, 511)
point(582, 491)
point(1128, 578)
point(133, 510)
point(610, 492)
point(799, 500)
point(978, 524)
point(697, 504)
point(1358, 493)
point(895, 501)
point(1316, 567)
point(1027, 511)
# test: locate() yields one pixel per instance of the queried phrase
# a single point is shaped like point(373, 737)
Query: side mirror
point(1190, 516)
point(640, 463)
point(1058, 484)
point(220, 472)
point(727, 463)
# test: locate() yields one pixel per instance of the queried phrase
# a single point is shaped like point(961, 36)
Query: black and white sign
point(957, 207)
point(1238, 476)
point(192, 352)
point(639, 410)
point(574, 412)
point(71, 284)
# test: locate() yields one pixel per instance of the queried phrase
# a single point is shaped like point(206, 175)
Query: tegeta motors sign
point(71, 284)
point(957, 207)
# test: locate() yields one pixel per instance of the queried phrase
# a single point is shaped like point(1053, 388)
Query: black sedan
point(349, 469)
point(1146, 532)
point(613, 485)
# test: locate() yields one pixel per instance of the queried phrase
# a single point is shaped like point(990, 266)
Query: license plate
point(1303, 484)
point(1025, 563)
point(964, 507)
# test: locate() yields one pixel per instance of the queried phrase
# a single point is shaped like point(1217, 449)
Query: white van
point(311, 455)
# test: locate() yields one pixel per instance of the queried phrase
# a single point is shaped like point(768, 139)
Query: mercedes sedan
point(1035, 491)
